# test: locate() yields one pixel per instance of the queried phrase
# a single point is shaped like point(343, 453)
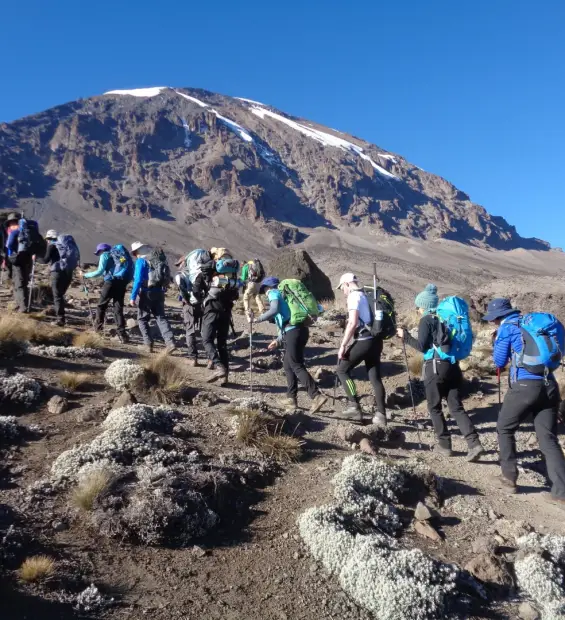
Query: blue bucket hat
point(270, 282)
point(102, 247)
point(498, 309)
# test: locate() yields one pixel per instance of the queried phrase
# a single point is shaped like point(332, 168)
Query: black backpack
point(256, 271)
point(383, 324)
point(159, 270)
point(29, 240)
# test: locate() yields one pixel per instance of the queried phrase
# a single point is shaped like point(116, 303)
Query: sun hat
point(499, 308)
point(102, 247)
point(51, 234)
point(137, 245)
point(347, 278)
point(270, 281)
point(428, 299)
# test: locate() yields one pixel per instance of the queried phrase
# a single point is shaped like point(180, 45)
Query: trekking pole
point(411, 394)
point(86, 292)
point(251, 355)
point(375, 288)
point(31, 281)
point(499, 396)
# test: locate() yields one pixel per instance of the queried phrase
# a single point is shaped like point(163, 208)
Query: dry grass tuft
point(28, 330)
point(283, 448)
point(249, 423)
point(72, 381)
point(36, 568)
point(12, 343)
point(415, 365)
point(90, 488)
point(88, 340)
point(165, 378)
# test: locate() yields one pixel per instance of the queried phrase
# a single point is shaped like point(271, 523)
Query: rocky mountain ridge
point(187, 156)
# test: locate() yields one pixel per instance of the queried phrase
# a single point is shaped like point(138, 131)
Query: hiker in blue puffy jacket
point(442, 379)
point(113, 290)
point(295, 339)
point(150, 300)
point(20, 263)
point(528, 394)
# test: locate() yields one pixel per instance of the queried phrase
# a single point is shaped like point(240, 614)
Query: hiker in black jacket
point(442, 379)
point(60, 278)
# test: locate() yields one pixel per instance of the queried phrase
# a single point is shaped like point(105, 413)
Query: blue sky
point(473, 91)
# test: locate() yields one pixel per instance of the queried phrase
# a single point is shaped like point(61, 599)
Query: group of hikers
point(209, 283)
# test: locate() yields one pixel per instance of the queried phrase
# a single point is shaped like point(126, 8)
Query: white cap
point(347, 278)
point(137, 245)
point(51, 234)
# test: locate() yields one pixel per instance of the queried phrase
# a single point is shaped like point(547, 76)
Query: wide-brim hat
point(347, 278)
point(138, 245)
point(498, 309)
point(13, 217)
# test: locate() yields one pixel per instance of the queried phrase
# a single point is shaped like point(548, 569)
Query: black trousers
point(113, 291)
point(295, 342)
point(214, 331)
point(368, 351)
point(446, 383)
point(192, 315)
point(21, 274)
point(60, 282)
point(525, 398)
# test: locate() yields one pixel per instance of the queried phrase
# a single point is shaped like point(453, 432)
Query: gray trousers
point(20, 279)
point(152, 303)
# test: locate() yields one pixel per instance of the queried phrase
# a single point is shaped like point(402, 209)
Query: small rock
point(527, 611)
point(131, 324)
point(423, 528)
point(60, 526)
point(324, 377)
point(285, 535)
point(205, 399)
point(492, 515)
point(483, 544)
point(125, 399)
point(367, 447)
point(354, 446)
point(199, 552)
point(296, 555)
point(57, 404)
point(499, 539)
point(86, 416)
point(422, 512)
point(489, 569)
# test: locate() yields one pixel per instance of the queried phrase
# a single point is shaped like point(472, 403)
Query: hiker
point(23, 243)
point(63, 256)
point(532, 391)
point(8, 226)
point(252, 275)
point(295, 339)
point(442, 377)
point(359, 345)
point(151, 278)
point(217, 307)
point(193, 284)
point(115, 266)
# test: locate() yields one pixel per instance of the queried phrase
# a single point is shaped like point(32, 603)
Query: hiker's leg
point(433, 398)
point(118, 294)
point(515, 408)
point(20, 278)
point(189, 315)
point(222, 333)
point(299, 366)
point(355, 356)
point(456, 409)
point(103, 301)
point(247, 294)
point(208, 332)
point(373, 365)
point(143, 316)
point(158, 311)
point(289, 349)
point(545, 422)
point(57, 286)
point(259, 298)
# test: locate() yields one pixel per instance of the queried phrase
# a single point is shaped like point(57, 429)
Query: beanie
point(428, 299)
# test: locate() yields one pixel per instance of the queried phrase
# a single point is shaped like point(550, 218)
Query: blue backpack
point(453, 313)
point(227, 266)
point(543, 343)
point(69, 254)
point(29, 239)
point(123, 263)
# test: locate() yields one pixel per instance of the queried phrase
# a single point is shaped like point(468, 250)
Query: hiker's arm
point(137, 278)
point(49, 255)
point(244, 272)
point(349, 332)
point(502, 349)
point(102, 261)
point(271, 312)
point(424, 340)
point(12, 243)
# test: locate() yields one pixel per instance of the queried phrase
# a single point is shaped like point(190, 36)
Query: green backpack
point(302, 304)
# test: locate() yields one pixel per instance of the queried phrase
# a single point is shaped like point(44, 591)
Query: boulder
point(489, 569)
point(57, 404)
point(527, 611)
point(423, 528)
point(422, 512)
point(366, 446)
point(299, 265)
point(484, 544)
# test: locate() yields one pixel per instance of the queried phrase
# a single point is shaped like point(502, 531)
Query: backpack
point(69, 254)
point(301, 303)
point(255, 270)
point(455, 329)
point(195, 264)
point(123, 263)
point(383, 315)
point(29, 239)
point(159, 270)
point(227, 266)
point(543, 343)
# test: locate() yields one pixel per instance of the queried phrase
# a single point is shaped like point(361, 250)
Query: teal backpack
point(453, 313)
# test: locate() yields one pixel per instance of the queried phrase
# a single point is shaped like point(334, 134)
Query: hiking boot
point(379, 419)
point(502, 482)
point(148, 348)
point(289, 404)
point(123, 338)
point(210, 365)
point(556, 501)
point(352, 414)
point(444, 451)
point(318, 403)
point(220, 375)
point(171, 348)
point(192, 362)
point(60, 322)
point(475, 453)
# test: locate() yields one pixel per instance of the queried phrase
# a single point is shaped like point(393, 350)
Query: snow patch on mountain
point(249, 101)
point(193, 99)
point(324, 138)
point(139, 92)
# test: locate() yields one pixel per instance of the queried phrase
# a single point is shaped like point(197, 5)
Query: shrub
point(165, 378)
point(282, 448)
point(88, 340)
point(72, 381)
point(123, 374)
point(12, 342)
point(19, 390)
point(90, 487)
point(36, 568)
point(10, 430)
point(65, 352)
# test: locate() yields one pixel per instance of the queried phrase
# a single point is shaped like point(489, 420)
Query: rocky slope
point(195, 162)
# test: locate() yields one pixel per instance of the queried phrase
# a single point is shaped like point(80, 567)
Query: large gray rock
point(298, 264)
point(57, 404)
